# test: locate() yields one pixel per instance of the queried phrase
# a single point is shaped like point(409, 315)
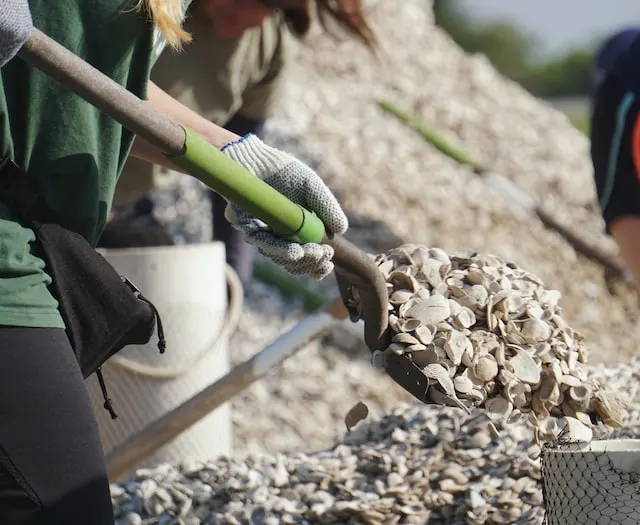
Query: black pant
point(52, 467)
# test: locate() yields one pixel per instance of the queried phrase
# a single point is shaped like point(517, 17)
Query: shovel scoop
point(362, 286)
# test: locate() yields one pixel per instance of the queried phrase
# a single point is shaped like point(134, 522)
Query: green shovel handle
point(241, 187)
point(183, 147)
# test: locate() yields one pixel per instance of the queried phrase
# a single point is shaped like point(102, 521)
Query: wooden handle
point(126, 456)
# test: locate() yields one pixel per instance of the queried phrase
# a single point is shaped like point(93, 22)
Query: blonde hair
point(167, 16)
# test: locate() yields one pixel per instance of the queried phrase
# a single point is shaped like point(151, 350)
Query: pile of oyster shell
point(488, 334)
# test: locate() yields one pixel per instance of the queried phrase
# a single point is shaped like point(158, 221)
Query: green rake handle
point(181, 146)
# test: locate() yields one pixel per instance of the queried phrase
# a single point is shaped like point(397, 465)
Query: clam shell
point(455, 346)
point(549, 428)
point(395, 323)
point(476, 277)
point(498, 409)
point(583, 418)
point(499, 355)
point(409, 325)
point(525, 368)
point(580, 395)
point(609, 407)
point(518, 393)
point(549, 390)
point(515, 417)
point(425, 334)
point(403, 281)
point(465, 318)
point(386, 268)
point(358, 412)
point(431, 310)
point(430, 272)
point(439, 375)
point(467, 356)
point(571, 381)
point(400, 297)
point(463, 384)
point(576, 430)
point(485, 367)
point(454, 307)
point(535, 330)
point(406, 338)
point(443, 327)
point(572, 360)
point(534, 310)
point(397, 348)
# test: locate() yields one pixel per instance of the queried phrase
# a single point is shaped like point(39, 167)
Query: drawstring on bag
point(162, 342)
point(162, 345)
point(107, 401)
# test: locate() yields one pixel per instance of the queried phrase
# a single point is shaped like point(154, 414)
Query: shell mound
point(488, 334)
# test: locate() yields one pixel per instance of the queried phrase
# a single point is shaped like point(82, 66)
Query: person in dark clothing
point(615, 141)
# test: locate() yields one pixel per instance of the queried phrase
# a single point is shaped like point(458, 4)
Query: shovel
point(362, 287)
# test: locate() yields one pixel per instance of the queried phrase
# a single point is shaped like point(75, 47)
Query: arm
point(181, 114)
point(280, 170)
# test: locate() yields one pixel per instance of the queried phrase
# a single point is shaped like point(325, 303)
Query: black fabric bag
point(103, 311)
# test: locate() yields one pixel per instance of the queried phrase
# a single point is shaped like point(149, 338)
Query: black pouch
point(103, 311)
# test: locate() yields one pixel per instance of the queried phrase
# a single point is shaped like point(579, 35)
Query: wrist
point(219, 137)
point(255, 155)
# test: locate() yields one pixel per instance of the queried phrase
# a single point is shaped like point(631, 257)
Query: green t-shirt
point(73, 151)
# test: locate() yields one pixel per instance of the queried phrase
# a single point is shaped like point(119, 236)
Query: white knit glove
point(300, 184)
point(15, 26)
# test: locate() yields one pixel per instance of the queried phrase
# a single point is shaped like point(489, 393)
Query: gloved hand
point(299, 183)
point(15, 25)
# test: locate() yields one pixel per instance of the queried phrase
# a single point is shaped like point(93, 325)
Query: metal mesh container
point(595, 483)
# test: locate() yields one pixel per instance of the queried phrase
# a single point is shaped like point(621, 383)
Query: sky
point(561, 23)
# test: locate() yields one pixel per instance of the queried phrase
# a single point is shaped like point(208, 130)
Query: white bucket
point(187, 284)
point(596, 483)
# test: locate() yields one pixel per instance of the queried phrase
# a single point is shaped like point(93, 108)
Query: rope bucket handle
point(230, 323)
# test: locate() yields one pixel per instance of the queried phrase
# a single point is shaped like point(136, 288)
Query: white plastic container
point(187, 285)
point(596, 483)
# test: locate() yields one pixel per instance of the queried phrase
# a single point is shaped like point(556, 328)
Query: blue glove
point(15, 26)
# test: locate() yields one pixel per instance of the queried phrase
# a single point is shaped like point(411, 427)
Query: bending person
point(231, 73)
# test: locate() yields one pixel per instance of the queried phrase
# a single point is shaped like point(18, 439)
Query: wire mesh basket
point(594, 483)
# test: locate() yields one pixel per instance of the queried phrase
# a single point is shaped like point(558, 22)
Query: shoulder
point(616, 45)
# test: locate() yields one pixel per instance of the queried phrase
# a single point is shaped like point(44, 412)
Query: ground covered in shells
point(416, 464)
point(407, 463)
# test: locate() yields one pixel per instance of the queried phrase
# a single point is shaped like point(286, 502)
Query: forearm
point(181, 114)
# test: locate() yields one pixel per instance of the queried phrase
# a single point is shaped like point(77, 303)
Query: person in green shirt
point(52, 469)
point(231, 73)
